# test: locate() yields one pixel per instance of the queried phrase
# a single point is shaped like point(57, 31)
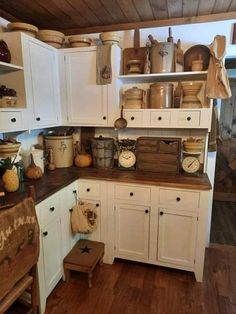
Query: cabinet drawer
point(134, 118)
point(133, 193)
point(49, 210)
point(89, 189)
point(161, 118)
point(179, 198)
point(189, 118)
point(10, 120)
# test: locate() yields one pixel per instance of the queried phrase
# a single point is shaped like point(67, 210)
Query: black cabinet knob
point(45, 233)
point(13, 120)
point(38, 119)
point(131, 193)
point(52, 209)
point(178, 199)
point(132, 118)
point(75, 192)
point(161, 213)
point(71, 210)
point(104, 118)
point(146, 211)
point(159, 118)
point(188, 118)
point(88, 189)
point(97, 205)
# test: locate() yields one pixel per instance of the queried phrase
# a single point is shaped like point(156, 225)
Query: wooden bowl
point(26, 28)
point(110, 38)
point(79, 41)
point(9, 150)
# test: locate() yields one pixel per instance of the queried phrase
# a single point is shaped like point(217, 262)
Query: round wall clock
point(127, 159)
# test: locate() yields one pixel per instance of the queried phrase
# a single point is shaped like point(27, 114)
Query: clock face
point(127, 159)
point(190, 164)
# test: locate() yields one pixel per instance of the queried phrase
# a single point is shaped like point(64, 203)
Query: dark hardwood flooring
point(134, 288)
point(223, 224)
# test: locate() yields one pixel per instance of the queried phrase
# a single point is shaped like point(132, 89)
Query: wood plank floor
point(134, 288)
point(223, 224)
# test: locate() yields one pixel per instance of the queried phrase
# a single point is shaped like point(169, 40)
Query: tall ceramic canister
point(162, 57)
point(161, 95)
point(62, 150)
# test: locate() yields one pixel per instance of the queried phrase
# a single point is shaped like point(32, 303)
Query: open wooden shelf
point(164, 77)
point(8, 67)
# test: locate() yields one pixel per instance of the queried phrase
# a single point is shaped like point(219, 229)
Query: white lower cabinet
point(132, 231)
point(177, 237)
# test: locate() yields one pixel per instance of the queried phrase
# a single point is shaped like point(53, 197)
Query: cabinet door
point(132, 231)
point(87, 101)
point(68, 200)
point(51, 244)
point(177, 237)
point(44, 84)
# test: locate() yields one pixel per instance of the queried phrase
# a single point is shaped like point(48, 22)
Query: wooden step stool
point(83, 257)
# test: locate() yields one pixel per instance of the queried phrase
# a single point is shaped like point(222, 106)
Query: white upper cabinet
point(43, 84)
point(83, 101)
point(34, 76)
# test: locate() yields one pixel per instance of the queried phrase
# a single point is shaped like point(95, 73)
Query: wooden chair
point(23, 263)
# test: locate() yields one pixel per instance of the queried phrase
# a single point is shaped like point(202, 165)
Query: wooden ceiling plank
point(232, 6)
point(144, 10)
point(100, 11)
point(70, 11)
point(113, 8)
point(221, 6)
point(129, 10)
point(175, 8)
point(153, 23)
point(206, 6)
point(88, 14)
point(190, 8)
point(7, 16)
point(159, 9)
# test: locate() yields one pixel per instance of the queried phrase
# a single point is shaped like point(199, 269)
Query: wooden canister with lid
point(161, 95)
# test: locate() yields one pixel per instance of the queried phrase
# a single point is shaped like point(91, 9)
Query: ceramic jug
point(5, 55)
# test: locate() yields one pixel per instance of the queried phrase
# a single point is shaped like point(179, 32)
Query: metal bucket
point(161, 95)
point(103, 149)
point(162, 57)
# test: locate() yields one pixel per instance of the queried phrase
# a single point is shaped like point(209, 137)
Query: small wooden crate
point(159, 154)
point(83, 257)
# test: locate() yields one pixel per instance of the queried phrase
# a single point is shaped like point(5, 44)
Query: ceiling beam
point(8, 16)
point(152, 23)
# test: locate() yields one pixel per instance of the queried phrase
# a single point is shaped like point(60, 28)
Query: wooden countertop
point(53, 181)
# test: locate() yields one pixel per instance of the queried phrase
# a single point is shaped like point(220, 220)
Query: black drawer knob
point(97, 205)
point(38, 119)
point(161, 213)
point(75, 192)
point(71, 210)
point(132, 118)
point(159, 118)
point(13, 120)
point(45, 233)
point(88, 189)
point(178, 199)
point(104, 118)
point(52, 209)
point(131, 194)
point(146, 211)
point(188, 118)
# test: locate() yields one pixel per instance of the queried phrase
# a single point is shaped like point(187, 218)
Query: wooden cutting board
point(136, 53)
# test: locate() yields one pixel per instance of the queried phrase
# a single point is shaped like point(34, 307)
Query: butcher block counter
point(53, 181)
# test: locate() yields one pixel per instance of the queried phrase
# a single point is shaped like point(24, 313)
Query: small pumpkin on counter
point(82, 159)
point(33, 171)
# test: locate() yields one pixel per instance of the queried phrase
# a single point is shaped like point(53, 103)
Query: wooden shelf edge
point(9, 67)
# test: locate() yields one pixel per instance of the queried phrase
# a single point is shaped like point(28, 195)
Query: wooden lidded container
point(134, 98)
point(62, 150)
point(103, 149)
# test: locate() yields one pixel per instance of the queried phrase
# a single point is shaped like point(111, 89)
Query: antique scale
point(190, 162)
point(126, 158)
